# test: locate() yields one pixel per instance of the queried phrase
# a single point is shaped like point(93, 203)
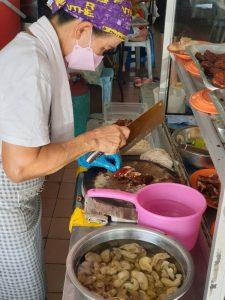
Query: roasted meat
point(212, 71)
point(133, 176)
point(209, 186)
point(210, 56)
point(209, 68)
point(123, 172)
point(219, 79)
point(214, 67)
point(130, 175)
point(220, 64)
point(207, 64)
point(200, 57)
point(221, 56)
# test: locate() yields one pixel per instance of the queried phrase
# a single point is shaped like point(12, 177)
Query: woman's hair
point(64, 17)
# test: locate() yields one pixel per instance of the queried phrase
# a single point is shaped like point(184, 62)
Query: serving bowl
point(114, 236)
point(199, 158)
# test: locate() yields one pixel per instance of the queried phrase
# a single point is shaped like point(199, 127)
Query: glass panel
point(195, 18)
point(200, 20)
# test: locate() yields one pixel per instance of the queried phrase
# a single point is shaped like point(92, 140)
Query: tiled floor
point(57, 199)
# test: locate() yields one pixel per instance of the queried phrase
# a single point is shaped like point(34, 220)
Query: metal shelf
point(206, 123)
point(214, 287)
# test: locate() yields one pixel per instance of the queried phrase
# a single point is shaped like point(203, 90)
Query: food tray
point(215, 48)
point(119, 111)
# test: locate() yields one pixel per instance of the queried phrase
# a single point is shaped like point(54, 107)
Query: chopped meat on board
point(133, 177)
point(150, 173)
point(123, 172)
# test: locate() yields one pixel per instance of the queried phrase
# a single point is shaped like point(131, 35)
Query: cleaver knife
point(139, 128)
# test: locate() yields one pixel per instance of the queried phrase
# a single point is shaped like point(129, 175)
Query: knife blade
point(139, 128)
point(144, 124)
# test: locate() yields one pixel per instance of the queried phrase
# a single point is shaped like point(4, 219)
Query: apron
point(21, 252)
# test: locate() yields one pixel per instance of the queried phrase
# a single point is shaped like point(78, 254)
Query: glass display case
point(202, 20)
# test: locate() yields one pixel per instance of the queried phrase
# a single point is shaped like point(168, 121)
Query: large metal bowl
point(110, 236)
point(195, 158)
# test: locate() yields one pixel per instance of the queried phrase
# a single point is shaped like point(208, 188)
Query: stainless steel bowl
point(195, 158)
point(110, 236)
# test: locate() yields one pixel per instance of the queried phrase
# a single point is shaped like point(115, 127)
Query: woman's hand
point(108, 139)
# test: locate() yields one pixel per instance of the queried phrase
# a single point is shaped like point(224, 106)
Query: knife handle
point(93, 156)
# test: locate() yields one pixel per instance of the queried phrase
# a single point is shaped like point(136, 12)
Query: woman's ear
point(80, 28)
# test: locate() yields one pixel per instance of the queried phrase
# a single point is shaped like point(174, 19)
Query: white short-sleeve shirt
point(25, 93)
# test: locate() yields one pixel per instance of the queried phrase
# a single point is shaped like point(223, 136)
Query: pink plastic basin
point(175, 209)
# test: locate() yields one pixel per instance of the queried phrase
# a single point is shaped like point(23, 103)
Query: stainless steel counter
point(159, 138)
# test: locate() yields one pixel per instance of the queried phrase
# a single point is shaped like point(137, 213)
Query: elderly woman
point(36, 125)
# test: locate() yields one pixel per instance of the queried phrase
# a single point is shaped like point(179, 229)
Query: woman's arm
point(22, 163)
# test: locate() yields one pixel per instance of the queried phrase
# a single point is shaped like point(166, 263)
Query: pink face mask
point(83, 58)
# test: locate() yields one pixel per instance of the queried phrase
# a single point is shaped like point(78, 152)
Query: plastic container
point(9, 23)
point(119, 111)
point(173, 208)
